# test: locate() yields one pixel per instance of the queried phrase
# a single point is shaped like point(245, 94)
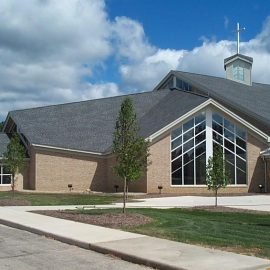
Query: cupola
point(238, 67)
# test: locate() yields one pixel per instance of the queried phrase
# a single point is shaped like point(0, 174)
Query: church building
point(184, 117)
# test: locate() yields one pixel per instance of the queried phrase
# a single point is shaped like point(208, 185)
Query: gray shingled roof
point(89, 125)
point(252, 100)
point(247, 58)
point(4, 141)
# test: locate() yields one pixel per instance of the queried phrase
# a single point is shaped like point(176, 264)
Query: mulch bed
point(14, 202)
point(109, 220)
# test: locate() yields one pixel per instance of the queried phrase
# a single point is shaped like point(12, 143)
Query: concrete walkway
point(150, 251)
point(254, 202)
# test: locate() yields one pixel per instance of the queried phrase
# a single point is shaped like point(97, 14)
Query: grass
point(246, 233)
point(38, 199)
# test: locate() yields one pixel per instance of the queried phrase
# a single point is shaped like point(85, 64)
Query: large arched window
point(189, 145)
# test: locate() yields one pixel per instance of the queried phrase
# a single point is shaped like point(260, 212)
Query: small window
point(238, 72)
point(5, 175)
point(183, 85)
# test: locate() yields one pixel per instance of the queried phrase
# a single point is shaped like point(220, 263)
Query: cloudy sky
point(62, 51)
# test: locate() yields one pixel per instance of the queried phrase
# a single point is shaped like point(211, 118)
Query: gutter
point(69, 150)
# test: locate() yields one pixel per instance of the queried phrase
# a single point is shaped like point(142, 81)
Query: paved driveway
point(26, 251)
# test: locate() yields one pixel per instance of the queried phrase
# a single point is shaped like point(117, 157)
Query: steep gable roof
point(4, 141)
point(252, 101)
point(89, 125)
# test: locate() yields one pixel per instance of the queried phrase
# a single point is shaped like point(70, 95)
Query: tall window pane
point(200, 169)
point(189, 174)
point(188, 149)
point(234, 147)
point(177, 177)
point(188, 152)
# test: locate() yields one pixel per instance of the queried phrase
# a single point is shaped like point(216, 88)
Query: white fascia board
point(238, 57)
point(6, 120)
point(202, 106)
point(69, 150)
point(179, 120)
point(163, 80)
point(241, 120)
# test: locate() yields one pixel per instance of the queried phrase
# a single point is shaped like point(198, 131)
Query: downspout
point(265, 173)
point(265, 176)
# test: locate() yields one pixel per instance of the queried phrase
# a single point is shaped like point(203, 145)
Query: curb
point(94, 247)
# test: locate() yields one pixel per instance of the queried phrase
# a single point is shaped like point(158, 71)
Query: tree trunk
point(127, 192)
point(124, 195)
point(13, 185)
point(216, 197)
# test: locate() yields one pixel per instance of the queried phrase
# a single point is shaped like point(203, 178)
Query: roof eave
point(49, 147)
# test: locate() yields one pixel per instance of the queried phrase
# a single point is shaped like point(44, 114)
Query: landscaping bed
point(110, 220)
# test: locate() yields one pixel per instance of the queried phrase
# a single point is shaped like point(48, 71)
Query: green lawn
point(59, 199)
point(240, 232)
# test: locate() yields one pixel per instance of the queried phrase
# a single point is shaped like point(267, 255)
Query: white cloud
point(51, 51)
point(48, 48)
point(93, 91)
point(207, 58)
point(129, 40)
point(145, 74)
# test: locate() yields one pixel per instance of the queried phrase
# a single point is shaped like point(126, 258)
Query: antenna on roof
point(238, 30)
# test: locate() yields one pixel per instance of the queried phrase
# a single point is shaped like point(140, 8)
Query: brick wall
point(54, 171)
point(255, 163)
point(159, 171)
point(136, 186)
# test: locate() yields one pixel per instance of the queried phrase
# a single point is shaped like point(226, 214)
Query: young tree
point(217, 175)
point(130, 149)
point(14, 158)
point(1, 126)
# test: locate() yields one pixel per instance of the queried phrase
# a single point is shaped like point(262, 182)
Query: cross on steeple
point(238, 30)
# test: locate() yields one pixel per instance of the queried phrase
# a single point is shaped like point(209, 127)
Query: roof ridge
point(193, 73)
point(206, 75)
point(82, 101)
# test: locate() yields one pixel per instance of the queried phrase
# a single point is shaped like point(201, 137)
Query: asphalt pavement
point(26, 251)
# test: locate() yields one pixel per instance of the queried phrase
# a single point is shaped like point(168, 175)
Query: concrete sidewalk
point(150, 251)
point(254, 202)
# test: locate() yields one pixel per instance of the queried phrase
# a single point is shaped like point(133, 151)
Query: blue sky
point(181, 24)
point(84, 49)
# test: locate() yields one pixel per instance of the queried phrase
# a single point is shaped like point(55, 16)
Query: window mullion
point(209, 134)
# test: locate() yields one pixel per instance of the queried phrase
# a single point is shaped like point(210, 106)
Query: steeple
point(238, 66)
